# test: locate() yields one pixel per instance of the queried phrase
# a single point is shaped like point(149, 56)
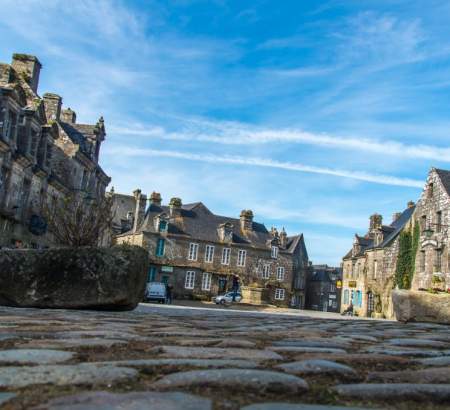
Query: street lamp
point(429, 231)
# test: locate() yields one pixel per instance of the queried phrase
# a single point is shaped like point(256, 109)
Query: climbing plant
point(408, 244)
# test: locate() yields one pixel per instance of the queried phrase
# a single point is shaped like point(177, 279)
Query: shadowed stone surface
point(317, 366)
point(183, 362)
point(295, 349)
point(433, 375)
point(5, 397)
point(130, 401)
point(219, 353)
point(86, 278)
point(63, 375)
point(38, 356)
point(260, 380)
point(435, 361)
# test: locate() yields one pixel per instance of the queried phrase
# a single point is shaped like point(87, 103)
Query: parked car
point(156, 291)
point(227, 298)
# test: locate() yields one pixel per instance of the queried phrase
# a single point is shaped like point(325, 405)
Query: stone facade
point(324, 287)
point(369, 268)
point(44, 154)
point(432, 267)
point(198, 252)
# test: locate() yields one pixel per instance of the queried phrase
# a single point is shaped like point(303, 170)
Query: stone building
point(44, 154)
point(323, 290)
point(432, 262)
point(198, 252)
point(369, 267)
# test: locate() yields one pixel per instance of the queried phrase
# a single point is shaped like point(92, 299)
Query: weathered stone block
point(420, 306)
point(73, 278)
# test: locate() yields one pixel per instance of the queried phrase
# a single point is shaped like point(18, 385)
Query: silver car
point(227, 298)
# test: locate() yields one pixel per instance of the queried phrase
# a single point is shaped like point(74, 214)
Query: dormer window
point(274, 252)
point(162, 226)
point(160, 223)
point(225, 232)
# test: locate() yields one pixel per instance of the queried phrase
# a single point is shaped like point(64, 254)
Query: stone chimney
point(283, 238)
point(68, 116)
point(175, 207)
point(410, 204)
point(246, 219)
point(155, 198)
point(52, 104)
point(139, 212)
point(28, 68)
point(395, 216)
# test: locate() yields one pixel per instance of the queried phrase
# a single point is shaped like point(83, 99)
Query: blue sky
point(315, 114)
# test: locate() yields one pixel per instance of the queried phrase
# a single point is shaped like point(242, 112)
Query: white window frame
point(193, 251)
point(226, 256)
point(265, 271)
point(280, 294)
point(242, 256)
point(189, 280)
point(274, 252)
point(280, 273)
point(209, 253)
point(206, 281)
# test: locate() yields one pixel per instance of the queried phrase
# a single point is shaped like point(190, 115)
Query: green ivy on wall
point(408, 246)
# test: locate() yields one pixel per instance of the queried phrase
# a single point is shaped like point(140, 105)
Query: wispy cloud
point(126, 151)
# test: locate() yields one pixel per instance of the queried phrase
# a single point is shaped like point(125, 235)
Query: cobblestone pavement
point(159, 357)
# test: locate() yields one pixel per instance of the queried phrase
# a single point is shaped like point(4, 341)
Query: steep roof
point(444, 176)
point(198, 222)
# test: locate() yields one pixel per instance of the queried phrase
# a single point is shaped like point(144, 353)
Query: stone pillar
point(68, 116)
point(52, 104)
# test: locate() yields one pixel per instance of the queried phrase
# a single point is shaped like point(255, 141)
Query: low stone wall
point(74, 278)
point(421, 306)
point(254, 296)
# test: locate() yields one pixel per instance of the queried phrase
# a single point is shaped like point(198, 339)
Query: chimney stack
point(395, 216)
point(28, 68)
point(246, 219)
point(175, 207)
point(376, 220)
point(69, 116)
point(52, 104)
point(139, 212)
point(283, 238)
point(411, 204)
point(155, 198)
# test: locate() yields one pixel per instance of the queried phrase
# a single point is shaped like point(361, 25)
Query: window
point(241, 257)
point(209, 253)
point(438, 221)
point(332, 287)
point(358, 301)
point(422, 261)
point(165, 279)
point(266, 272)
point(375, 269)
point(274, 252)
point(193, 251)
point(226, 252)
point(160, 247)
point(206, 281)
point(280, 273)
point(438, 260)
point(352, 297)
point(423, 222)
point(162, 226)
point(151, 274)
point(189, 280)
point(346, 296)
point(279, 294)
point(370, 302)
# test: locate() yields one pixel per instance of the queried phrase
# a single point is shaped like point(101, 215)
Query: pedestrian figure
point(349, 310)
point(168, 294)
point(235, 286)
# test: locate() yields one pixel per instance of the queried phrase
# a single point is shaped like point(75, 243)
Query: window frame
point(160, 249)
point(281, 273)
point(265, 271)
point(280, 294)
point(193, 251)
point(274, 252)
point(209, 255)
point(206, 281)
point(226, 256)
point(242, 256)
point(189, 280)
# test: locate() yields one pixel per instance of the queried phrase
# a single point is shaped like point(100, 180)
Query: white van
point(155, 291)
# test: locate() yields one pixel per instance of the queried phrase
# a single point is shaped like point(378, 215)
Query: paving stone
point(259, 380)
point(317, 366)
point(359, 358)
point(218, 353)
point(408, 391)
point(68, 343)
point(295, 349)
point(35, 356)
point(312, 343)
point(417, 343)
point(299, 406)
point(435, 361)
point(235, 343)
point(131, 401)
point(5, 397)
point(432, 375)
point(245, 364)
point(404, 352)
point(14, 377)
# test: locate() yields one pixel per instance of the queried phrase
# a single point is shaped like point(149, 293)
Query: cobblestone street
point(160, 357)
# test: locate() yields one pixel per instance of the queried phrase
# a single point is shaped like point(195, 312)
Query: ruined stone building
point(369, 267)
point(432, 213)
point(198, 252)
point(44, 154)
point(323, 289)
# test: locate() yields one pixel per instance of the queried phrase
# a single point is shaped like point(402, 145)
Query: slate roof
point(198, 222)
point(322, 274)
point(444, 176)
point(76, 134)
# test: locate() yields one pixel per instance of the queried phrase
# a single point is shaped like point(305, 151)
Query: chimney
point(410, 204)
point(246, 219)
point(283, 238)
point(395, 216)
point(139, 212)
point(155, 198)
point(376, 221)
point(52, 104)
point(175, 207)
point(28, 68)
point(68, 116)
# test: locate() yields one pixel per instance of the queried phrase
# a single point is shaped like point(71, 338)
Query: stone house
point(198, 252)
point(432, 262)
point(323, 291)
point(369, 267)
point(44, 154)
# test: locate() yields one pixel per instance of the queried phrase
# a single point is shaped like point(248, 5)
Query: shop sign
point(339, 284)
point(352, 284)
point(167, 269)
